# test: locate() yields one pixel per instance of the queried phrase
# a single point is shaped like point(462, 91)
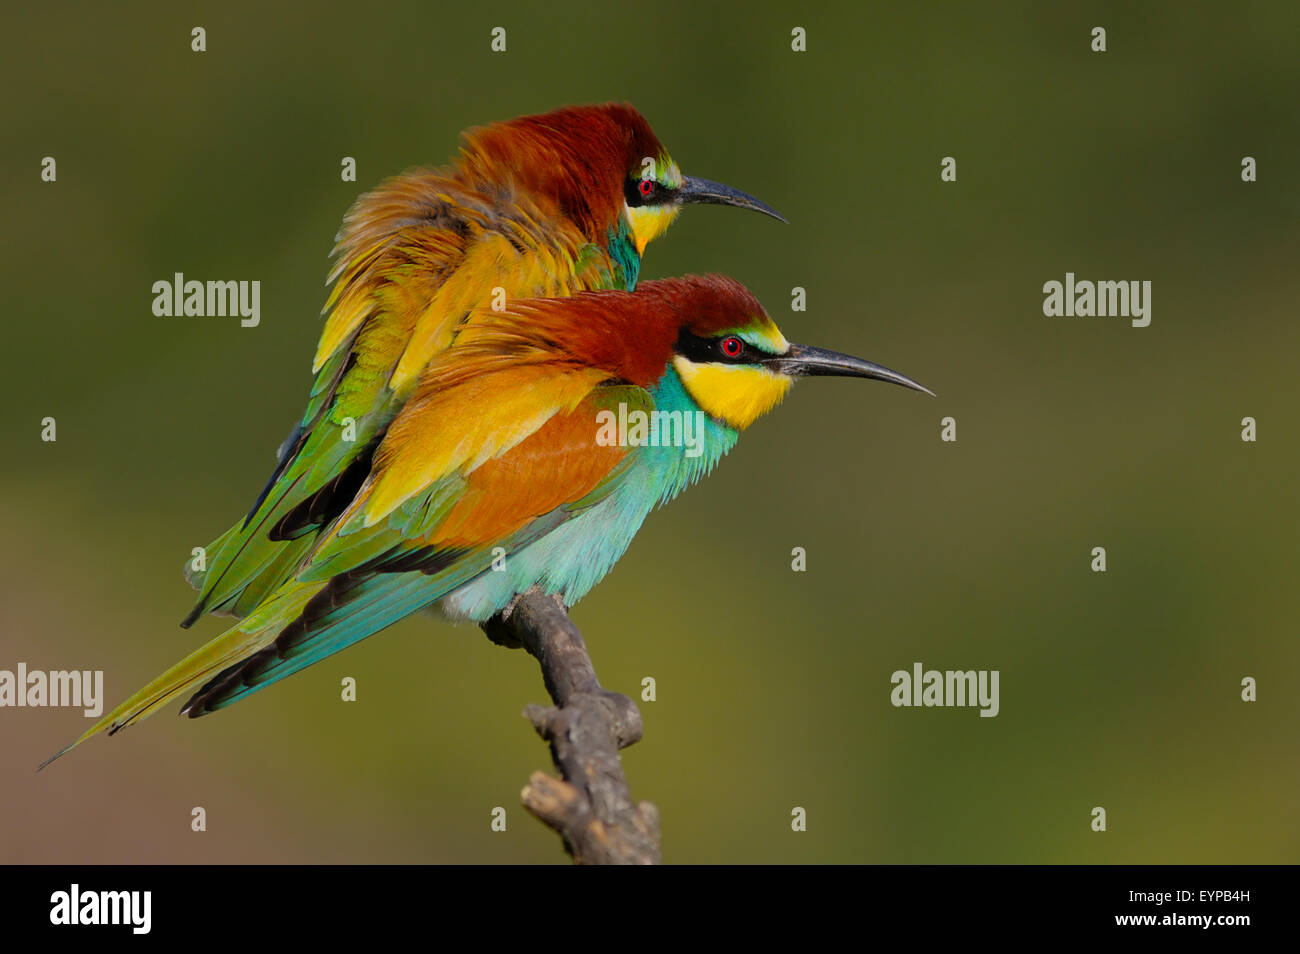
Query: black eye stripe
point(634, 194)
point(703, 350)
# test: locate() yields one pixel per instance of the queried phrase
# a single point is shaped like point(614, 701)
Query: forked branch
point(590, 806)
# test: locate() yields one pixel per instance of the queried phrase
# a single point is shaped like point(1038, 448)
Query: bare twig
point(591, 807)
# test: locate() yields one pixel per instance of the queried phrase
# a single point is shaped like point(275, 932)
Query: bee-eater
point(540, 206)
point(505, 470)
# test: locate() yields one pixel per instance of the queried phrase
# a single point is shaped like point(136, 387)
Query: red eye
point(647, 186)
point(732, 346)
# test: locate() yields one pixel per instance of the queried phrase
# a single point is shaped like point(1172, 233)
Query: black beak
point(704, 192)
point(803, 360)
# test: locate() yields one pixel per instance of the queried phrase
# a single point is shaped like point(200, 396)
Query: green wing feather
point(415, 256)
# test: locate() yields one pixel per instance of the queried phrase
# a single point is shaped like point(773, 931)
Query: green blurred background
point(1118, 690)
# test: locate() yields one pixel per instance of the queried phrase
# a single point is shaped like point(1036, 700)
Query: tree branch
point(591, 807)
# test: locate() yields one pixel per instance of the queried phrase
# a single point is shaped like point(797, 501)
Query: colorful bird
point(541, 206)
point(528, 454)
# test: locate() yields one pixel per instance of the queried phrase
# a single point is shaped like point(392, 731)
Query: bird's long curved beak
point(706, 192)
point(803, 360)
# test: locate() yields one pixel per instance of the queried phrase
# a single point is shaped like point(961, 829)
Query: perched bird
point(540, 206)
point(511, 466)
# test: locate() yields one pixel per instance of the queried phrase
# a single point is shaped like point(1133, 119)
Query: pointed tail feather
point(228, 649)
point(312, 637)
point(347, 609)
point(301, 624)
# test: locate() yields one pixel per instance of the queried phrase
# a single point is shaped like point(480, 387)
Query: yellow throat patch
point(648, 222)
point(735, 394)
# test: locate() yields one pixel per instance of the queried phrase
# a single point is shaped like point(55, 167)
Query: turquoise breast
point(575, 556)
